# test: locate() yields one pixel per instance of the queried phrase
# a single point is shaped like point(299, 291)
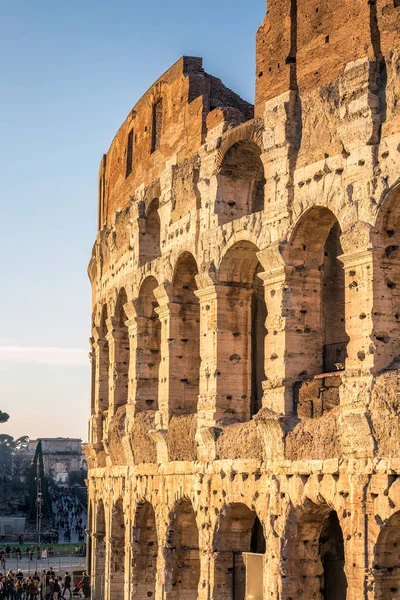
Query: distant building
point(60, 456)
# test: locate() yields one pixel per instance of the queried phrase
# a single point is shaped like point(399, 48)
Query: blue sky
point(70, 72)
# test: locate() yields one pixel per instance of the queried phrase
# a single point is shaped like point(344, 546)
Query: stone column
point(101, 361)
point(144, 361)
point(363, 313)
point(118, 343)
point(108, 559)
point(225, 351)
point(278, 390)
point(178, 372)
point(98, 565)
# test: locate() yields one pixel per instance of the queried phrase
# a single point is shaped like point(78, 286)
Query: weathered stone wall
point(246, 328)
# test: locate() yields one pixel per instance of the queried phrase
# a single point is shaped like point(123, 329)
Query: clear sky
point(70, 71)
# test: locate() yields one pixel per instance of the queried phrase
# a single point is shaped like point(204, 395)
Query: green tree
point(3, 416)
point(77, 477)
point(9, 465)
point(37, 470)
point(8, 449)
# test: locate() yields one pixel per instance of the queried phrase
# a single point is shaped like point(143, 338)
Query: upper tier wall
point(309, 47)
point(186, 94)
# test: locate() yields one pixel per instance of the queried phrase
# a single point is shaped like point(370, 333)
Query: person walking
point(67, 586)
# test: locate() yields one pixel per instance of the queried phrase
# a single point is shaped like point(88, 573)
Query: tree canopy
point(4, 416)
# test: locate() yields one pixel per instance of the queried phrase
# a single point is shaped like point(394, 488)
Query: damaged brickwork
point(244, 437)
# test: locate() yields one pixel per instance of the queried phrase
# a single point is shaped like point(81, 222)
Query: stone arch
point(314, 554)
point(241, 294)
point(387, 560)
point(99, 552)
point(239, 542)
point(103, 369)
point(317, 292)
point(387, 280)
point(121, 351)
point(149, 234)
point(144, 552)
point(241, 182)
point(117, 552)
point(184, 332)
point(148, 347)
point(183, 558)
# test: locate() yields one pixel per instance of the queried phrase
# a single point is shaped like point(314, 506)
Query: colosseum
point(244, 439)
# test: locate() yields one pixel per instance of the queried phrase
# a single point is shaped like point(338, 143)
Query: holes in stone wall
point(150, 231)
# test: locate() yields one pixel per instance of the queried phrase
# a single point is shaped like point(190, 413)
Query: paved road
point(69, 519)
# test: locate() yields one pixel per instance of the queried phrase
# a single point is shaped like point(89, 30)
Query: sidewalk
point(60, 564)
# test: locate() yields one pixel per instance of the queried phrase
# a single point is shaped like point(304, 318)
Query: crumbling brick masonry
point(244, 435)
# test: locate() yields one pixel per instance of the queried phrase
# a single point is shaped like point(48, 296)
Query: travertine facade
point(246, 324)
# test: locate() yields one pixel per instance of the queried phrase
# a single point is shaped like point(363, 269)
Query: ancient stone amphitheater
point(244, 440)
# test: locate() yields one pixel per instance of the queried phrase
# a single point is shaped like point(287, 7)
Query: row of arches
point(126, 561)
point(239, 322)
point(232, 338)
point(240, 192)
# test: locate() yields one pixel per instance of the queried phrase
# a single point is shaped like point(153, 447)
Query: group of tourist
point(47, 586)
point(69, 516)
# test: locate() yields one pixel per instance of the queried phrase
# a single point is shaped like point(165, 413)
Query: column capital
point(218, 289)
point(359, 256)
point(274, 257)
point(130, 309)
point(164, 293)
point(98, 337)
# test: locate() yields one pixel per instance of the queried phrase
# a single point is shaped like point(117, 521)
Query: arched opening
point(239, 547)
point(387, 282)
point(144, 553)
point(258, 333)
point(150, 230)
point(121, 352)
point(92, 379)
point(99, 553)
point(242, 310)
point(156, 125)
point(387, 560)
point(315, 556)
point(148, 345)
point(185, 338)
point(332, 557)
point(317, 290)
point(184, 554)
point(89, 539)
point(103, 368)
point(117, 553)
point(241, 182)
